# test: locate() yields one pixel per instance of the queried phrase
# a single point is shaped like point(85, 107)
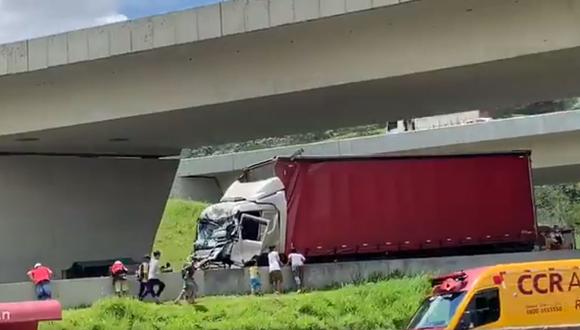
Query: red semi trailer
point(358, 207)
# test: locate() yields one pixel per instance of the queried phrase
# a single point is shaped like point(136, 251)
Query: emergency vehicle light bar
point(449, 283)
point(457, 276)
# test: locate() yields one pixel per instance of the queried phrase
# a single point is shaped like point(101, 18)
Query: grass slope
point(177, 230)
point(382, 305)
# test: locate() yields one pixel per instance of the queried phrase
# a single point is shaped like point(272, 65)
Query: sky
point(26, 19)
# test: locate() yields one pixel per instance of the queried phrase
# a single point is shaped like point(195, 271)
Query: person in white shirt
point(297, 265)
point(275, 270)
point(154, 272)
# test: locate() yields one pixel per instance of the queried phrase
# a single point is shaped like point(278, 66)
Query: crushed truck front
point(249, 218)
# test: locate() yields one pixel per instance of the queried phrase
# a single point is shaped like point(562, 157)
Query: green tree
point(558, 204)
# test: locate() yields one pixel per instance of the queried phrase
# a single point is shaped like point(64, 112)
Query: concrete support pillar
point(57, 210)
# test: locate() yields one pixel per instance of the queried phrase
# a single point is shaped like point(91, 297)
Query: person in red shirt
point(41, 276)
point(119, 273)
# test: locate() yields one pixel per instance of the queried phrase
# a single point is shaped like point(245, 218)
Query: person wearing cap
point(119, 274)
point(41, 275)
point(143, 278)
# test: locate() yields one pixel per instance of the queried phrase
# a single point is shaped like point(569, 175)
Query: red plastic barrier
point(26, 315)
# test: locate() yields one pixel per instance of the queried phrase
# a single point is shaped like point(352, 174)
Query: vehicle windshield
point(436, 311)
point(209, 233)
point(216, 224)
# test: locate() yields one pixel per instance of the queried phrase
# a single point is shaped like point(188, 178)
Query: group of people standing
point(296, 261)
point(149, 273)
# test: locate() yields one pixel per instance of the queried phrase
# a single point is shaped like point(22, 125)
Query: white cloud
point(25, 19)
point(111, 19)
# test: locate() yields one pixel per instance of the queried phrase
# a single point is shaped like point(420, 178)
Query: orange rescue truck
point(532, 295)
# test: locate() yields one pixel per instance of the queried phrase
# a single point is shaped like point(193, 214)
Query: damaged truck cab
point(249, 218)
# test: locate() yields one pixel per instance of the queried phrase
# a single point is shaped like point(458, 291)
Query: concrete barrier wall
point(84, 292)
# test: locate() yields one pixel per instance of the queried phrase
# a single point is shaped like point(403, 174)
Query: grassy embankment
point(177, 231)
point(381, 305)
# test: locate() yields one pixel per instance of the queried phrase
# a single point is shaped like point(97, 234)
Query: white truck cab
point(250, 217)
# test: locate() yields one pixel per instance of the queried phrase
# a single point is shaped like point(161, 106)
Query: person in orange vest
point(119, 274)
point(41, 276)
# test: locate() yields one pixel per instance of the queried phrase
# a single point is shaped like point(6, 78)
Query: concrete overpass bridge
point(252, 68)
point(81, 112)
point(552, 138)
